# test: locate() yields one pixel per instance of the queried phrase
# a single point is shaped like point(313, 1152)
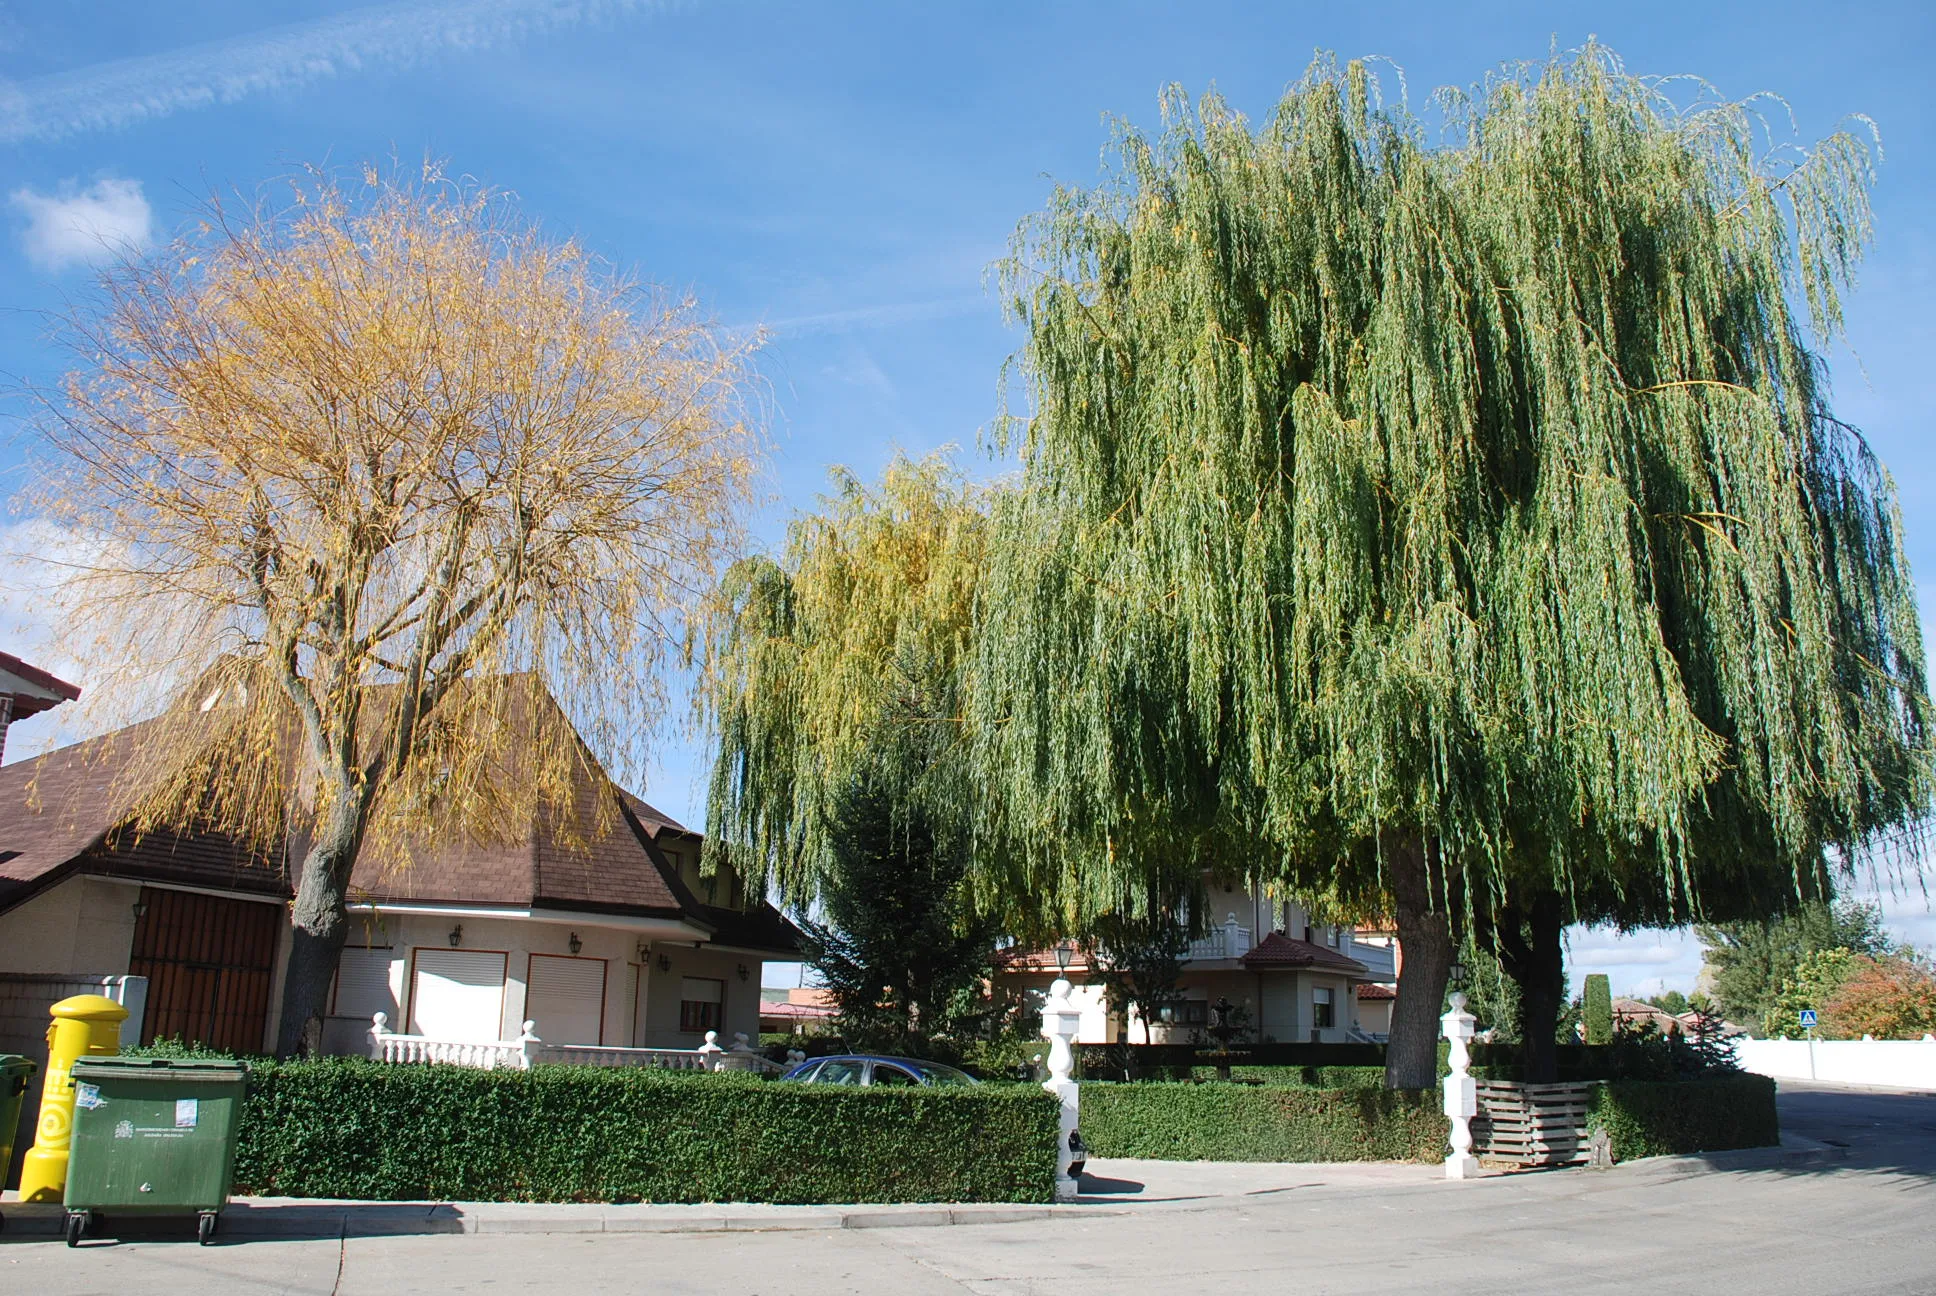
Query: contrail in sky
point(104, 96)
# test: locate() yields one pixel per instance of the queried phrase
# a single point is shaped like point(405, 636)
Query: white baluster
point(1061, 1020)
point(528, 1042)
point(1461, 1092)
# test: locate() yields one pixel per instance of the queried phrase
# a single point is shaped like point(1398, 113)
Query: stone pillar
point(528, 1043)
point(1061, 1020)
point(1461, 1093)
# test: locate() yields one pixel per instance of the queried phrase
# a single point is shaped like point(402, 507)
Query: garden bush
point(345, 1127)
point(1272, 1122)
point(1665, 1118)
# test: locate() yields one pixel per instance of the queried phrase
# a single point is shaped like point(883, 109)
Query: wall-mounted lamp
point(457, 935)
point(574, 944)
point(665, 963)
point(743, 973)
point(140, 907)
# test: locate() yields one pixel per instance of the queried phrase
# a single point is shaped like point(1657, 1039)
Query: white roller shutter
point(363, 985)
point(566, 998)
point(457, 995)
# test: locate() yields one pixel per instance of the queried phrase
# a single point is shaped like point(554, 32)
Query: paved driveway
point(1864, 1226)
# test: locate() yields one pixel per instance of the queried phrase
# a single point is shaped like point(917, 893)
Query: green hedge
point(1231, 1122)
point(344, 1127)
point(1666, 1118)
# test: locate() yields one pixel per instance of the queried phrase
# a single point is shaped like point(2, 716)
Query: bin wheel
point(76, 1226)
point(205, 1227)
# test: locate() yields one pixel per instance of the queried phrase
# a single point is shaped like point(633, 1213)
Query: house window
point(1181, 1012)
point(1322, 1011)
point(363, 985)
point(702, 1004)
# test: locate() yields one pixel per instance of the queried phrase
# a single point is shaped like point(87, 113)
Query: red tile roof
point(1372, 990)
point(1280, 951)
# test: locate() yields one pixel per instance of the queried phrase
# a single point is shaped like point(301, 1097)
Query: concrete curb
point(298, 1220)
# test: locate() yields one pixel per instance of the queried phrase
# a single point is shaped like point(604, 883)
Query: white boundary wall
point(1900, 1064)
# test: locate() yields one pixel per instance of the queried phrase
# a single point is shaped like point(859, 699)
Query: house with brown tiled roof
point(1288, 977)
point(614, 939)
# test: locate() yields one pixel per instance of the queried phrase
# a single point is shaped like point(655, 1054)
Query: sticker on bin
point(186, 1111)
point(88, 1096)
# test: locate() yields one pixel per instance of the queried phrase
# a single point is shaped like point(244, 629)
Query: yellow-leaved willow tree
point(374, 470)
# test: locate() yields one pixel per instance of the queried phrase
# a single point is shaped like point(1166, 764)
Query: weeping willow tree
point(1453, 518)
point(838, 667)
point(369, 477)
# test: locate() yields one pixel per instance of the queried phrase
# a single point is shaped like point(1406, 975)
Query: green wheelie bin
point(15, 1072)
point(153, 1136)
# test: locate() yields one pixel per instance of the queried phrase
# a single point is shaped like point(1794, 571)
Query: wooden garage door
point(209, 962)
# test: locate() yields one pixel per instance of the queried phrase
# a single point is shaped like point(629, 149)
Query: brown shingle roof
point(1371, 990)
point(1280, 951)
point(58, 815)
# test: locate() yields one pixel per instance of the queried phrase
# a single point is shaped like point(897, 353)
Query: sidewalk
point(1109, 1187)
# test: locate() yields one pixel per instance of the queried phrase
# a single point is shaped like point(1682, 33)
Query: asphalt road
point(1862, 1226)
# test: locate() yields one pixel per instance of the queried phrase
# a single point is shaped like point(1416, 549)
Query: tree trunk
point(320, 924)
point(1534, 959)
point(1425, 944)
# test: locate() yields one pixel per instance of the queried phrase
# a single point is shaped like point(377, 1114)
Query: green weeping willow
point(1444, 515)
point(841, 664)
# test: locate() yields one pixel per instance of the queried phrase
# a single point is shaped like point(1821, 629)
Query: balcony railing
point(1226, 942)
point(1378, 960)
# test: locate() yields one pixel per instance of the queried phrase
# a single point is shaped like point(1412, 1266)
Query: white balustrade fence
point(1226, 942)
point(529, 1050)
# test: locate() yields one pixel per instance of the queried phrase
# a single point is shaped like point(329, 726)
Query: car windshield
point(936, 1074)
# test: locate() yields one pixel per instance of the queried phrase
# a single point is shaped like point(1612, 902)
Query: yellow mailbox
point(84, 1026)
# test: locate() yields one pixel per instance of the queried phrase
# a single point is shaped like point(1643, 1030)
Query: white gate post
point(1060, 1022)
point(1461, 1093)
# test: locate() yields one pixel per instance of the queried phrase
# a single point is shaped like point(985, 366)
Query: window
point(363, 985)
point(565, 999)
point(886, 1073)
point(840, 1073)
point(457, 994)
point(1322, 1015)
point(702, 1004)
point(1182, 1012)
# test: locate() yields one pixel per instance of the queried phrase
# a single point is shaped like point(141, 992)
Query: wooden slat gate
point(210, 962)
point(1531, 1125)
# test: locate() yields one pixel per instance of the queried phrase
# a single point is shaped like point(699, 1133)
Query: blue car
point(870, 1069)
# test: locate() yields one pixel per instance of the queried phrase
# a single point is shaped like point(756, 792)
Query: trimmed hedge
point(346, 1127)
point(1232, 1122)
point(1646, 1118)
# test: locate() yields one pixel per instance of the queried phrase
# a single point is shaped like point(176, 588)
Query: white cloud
point(119, 93)
point(84, 226)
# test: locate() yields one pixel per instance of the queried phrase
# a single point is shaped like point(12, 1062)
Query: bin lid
point(14, 1064)
point(191, 1070)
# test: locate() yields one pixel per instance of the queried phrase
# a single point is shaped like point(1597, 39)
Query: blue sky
point(845, 172)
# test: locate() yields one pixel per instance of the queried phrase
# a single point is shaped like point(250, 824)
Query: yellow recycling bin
point(84, 1026)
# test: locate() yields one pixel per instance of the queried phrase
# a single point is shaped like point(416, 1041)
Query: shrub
point(1230, 1122)
point(1596, 1010)
point(345, 1127)
point(1665, 1118)
point(173, 1046)
point(1889, 998)
point(1309, 1077)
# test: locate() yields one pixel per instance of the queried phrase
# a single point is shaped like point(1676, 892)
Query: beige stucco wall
point(742, 1003)
point(627, 982)
point(85, 924)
